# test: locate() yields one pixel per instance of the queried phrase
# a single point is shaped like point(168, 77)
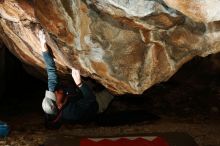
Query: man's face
point(60, 98)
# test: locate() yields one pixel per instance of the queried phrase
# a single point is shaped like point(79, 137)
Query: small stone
point(2, 142)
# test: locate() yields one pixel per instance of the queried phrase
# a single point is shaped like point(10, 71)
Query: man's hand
point(76, 77)
point(42, 39)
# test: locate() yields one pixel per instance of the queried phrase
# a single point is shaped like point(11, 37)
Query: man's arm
point(50, 64)
point(51, 71)
point(87, 93)
point(85, 107)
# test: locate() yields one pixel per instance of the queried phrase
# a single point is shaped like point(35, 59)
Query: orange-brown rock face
point(127, 46)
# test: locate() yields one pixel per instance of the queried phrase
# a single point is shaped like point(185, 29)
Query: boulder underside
point(127, 46)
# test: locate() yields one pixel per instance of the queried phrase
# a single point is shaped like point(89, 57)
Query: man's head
point(49, 103)
point(53, 101)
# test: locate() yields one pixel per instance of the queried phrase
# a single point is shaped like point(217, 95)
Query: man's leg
point(103, 99)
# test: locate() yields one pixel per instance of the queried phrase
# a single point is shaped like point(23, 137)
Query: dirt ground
point(189, 102)
point(32, 133)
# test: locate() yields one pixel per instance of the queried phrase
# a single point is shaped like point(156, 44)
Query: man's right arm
point(50, 64)
point(51, 71)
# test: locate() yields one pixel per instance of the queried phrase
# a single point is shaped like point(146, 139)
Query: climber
point(62, 103)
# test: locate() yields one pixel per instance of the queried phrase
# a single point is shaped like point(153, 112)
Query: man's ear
point(55, 92)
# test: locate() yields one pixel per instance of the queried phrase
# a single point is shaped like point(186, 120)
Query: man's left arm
point(87, 93)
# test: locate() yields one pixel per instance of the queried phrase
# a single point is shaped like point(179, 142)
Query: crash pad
point(150, 139)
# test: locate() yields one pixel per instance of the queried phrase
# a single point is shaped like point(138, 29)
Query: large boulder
point(127, 46)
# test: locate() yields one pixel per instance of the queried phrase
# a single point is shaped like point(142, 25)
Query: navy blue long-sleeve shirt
point(82, 106)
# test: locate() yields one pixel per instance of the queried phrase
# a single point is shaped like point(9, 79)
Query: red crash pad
point(152, 139)
point(124, 141)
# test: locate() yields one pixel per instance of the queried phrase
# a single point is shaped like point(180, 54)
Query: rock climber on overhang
point(72, 103)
